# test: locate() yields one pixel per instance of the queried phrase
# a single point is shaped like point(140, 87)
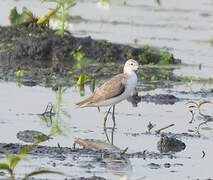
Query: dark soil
point(62, 152)
point(170, 144)
point(44, 53)
point(45, 47)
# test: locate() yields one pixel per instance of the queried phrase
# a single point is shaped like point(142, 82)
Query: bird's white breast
point(130, 84)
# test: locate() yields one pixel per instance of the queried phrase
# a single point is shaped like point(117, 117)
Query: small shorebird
point(114, 91)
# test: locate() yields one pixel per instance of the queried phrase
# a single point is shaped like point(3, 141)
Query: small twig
point(198, 128)
point(124, 151)
point(161, 129)
point(193, 115)
point(204, 154)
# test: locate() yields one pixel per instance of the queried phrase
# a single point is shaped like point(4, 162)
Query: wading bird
point(117, 89)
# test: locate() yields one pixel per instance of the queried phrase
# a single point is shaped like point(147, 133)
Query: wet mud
point(62, 152)
point(169, 144)
point(46, 47)
point(44, 54)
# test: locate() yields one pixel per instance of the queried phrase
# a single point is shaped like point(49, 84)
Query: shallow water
point(19, 112)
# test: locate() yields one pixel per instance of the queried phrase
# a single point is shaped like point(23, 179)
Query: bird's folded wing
point(112, 88)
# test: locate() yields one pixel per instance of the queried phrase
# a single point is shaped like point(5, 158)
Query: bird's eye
point(131, 64)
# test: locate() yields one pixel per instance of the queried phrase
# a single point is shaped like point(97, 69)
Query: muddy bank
point(60, 157)
point(44, 53)
point(62, 152)
point(46, 47)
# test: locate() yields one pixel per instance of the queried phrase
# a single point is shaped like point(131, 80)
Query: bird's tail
point(84, 103)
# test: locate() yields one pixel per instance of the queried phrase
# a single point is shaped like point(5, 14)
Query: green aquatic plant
point(146, 47)
point(20, 73)
point(52, 115)
point(77, 55)
point(154, 78)
point(82, 79)
point(28, 19)
point(13, 161)
point(24, 17)
point(62, 9)
point(54, 77)
point(81, 60)
point(150, 126)
point(165, 58)
point(81, 82)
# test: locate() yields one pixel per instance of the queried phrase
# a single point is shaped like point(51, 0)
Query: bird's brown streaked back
point(112, 88)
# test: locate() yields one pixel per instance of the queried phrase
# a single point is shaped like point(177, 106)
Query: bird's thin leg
point(105, 118)
point(113, 116)
point(112, 135)
point(98, 109)
point(105, 131)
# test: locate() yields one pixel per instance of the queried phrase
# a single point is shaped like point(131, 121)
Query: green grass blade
point(82, 79)
point(6, 167)
point(25, 150)
point(13, 162)
point(42, 172)
point(7, 154)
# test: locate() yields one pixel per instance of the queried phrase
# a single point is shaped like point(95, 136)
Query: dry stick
point(161, 129)
point(204, 154)
point(193, 115)
point(124, 151)
point(207, 120)
point(105, 131)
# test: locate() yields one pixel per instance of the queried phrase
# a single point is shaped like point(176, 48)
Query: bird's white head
point(130, 66)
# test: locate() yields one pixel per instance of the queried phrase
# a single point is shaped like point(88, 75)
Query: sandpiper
point(115, 90)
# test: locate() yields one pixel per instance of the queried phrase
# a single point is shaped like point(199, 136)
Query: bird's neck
point(129, 71)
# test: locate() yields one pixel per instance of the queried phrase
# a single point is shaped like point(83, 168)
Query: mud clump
point(160, 98)
point(31, 136)
point(169, 144)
